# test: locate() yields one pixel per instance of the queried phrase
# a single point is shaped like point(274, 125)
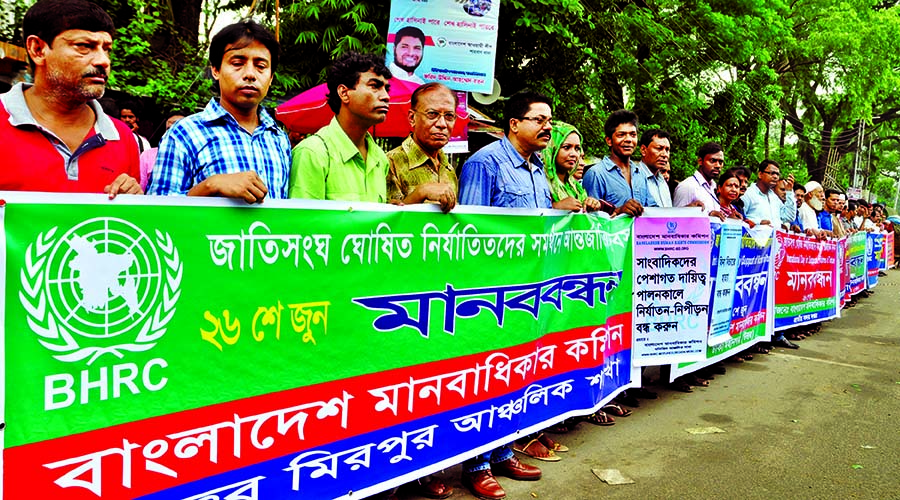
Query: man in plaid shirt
point(233, 148)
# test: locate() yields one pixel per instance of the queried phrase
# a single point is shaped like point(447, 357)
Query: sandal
point(616, 410)
point(564, 427)
point(598, 418)
point(680, 385)
point(697, 381)
point(551, 444)
point(535, 449)
point(761, 349)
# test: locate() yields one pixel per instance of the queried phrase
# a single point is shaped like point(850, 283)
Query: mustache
point(96, 73)
point(545, 134)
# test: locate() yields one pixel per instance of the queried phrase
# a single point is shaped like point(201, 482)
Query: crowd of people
point(61, 140)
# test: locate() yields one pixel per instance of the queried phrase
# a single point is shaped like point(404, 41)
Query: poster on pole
point(671, 287)
point(446, 41)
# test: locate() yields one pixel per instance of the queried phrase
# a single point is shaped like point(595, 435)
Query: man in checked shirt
point(233, 148)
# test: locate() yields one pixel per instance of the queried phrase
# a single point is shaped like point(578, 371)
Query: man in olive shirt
point(419, 169)
point(342, 161)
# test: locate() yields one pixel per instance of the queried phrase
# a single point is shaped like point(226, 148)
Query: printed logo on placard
point(103, 287)
point(672, 226)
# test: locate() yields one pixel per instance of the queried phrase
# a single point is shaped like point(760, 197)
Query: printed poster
point(671, 287)
point(807, 280)
point(724, 265)
point(447, 41)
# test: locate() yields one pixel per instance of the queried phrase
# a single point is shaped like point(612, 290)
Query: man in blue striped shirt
point(233, 148)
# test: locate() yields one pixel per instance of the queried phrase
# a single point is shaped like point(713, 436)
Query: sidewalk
point(819, 422)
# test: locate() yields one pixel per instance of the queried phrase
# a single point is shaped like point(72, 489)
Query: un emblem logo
point(102, 287)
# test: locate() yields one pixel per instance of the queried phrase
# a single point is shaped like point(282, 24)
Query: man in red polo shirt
point(53, 134)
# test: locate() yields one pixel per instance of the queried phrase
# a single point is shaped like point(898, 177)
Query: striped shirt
point(212, 142)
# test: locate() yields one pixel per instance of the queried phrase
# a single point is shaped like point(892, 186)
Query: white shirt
point(808, 217)
point(696, 188)
point(402, 74)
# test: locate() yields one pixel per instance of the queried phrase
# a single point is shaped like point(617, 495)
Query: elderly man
point(508, 173)
point(762, 205)
point(419, 169)
point(813, 204)
point(700, 188)
point(342, 161)
point(53, 133)
point(655, 150)
point(233, 148)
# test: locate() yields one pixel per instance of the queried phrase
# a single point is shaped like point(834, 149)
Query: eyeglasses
point(541, 121)
point(775, 174)
point(433, 115)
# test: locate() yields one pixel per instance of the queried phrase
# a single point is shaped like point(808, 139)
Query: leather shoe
point(515, 469)
point(787, 344)
point(483, 485)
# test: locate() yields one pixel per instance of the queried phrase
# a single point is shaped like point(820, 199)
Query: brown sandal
point(598, 418)
point(551, 444)
point(535, 449)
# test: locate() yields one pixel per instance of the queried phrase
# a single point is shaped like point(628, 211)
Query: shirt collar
point(418, 158)
point(346, 148)
point(702, 180)
point(20, 115)
point(214, 111)
point(514, 156)
point(611, 165)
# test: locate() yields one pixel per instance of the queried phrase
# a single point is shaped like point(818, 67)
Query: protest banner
point(874, 256)
point(856, 261)
point(726, 254)
point(843, 290)
point(889, 256)
point(671, 286)
point(446, 41)
point(205, 349)
point(807, 280)
point(753, 297)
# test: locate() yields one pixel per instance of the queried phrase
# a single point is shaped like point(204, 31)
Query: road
point(815, 423)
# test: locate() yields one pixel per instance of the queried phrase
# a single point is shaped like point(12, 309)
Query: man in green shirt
point(419, 169)
point(342, 161)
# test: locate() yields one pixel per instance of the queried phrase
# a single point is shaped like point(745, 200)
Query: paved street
point(818, 422)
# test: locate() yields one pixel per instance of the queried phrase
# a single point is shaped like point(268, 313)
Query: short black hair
point(851, 205)
point(829, 192)
point(742, 171)
point(409, 32)
point(799, 187)
point(710, 148)
point(242, 34)
point(129, 104)
point(431, 87)
point(346, 70)
point(48, 18)
point(765, 163)
point(519, 104)
point(648, 135)
point(617, 118)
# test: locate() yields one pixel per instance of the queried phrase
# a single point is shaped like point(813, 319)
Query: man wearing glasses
point(508, 173)
point(700, 188)
point(762, 205)
point(419, 170)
